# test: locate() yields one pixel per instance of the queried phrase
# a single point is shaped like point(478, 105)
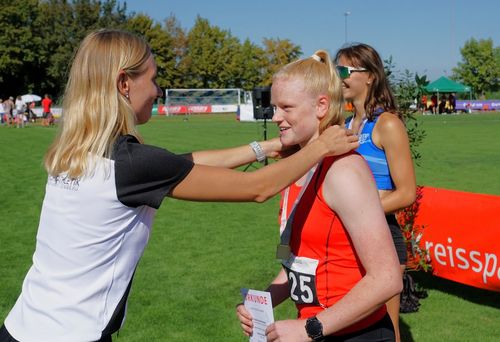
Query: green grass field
point(201, 254)
point(461, 152)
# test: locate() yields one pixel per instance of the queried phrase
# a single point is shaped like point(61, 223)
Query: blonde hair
point(95, 114)
point(320, 78)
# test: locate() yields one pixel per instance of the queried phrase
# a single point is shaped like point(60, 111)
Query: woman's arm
point(390, 134)
point(279, 288)
point(206, 183)
point(236, 156)
point(350, 191)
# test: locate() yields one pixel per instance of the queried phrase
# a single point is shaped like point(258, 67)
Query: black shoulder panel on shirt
point(145, 174)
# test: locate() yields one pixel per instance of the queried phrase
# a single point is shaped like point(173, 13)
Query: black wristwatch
point(314, 329)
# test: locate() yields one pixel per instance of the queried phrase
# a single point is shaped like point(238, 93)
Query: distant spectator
point(20, 108)
point(442, 104)
point(434, 100)
point(453, 102)
point(2, 111)
point(31, 116)
point(423, 103)
point(8, 106)
point(48, 118)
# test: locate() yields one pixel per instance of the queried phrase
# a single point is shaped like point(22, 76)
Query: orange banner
point(462, 235)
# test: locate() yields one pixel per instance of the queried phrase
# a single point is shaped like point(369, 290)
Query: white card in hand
point(259, 304)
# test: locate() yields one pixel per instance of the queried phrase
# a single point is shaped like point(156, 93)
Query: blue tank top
point(374, 156)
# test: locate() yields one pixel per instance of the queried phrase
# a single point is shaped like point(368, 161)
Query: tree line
point(38, 39)
point(480, 67)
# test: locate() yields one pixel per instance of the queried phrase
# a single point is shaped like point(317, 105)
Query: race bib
point(301, 273)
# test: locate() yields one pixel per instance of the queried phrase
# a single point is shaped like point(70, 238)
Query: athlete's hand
point(339, 140)
point(245, 319)
point(292, 330)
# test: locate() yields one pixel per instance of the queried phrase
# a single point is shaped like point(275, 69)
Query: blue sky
point(422, 36)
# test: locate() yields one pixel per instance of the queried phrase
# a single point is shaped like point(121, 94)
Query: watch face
point(314, 328)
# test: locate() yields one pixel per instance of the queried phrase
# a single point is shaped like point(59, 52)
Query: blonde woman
point(333, 226)
point(104, 187)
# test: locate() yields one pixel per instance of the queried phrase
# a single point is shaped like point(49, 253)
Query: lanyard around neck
point(360, 130)
point(286, 221)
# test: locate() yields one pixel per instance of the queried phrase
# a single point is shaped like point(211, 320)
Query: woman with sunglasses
point(383, 140)
point(332, 224)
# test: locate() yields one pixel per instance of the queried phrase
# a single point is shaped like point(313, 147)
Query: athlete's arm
point(390, 135)
point(350, 191)
point(279, 288)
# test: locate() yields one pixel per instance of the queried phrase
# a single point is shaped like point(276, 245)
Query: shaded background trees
point(38, 39)
point(19, 44)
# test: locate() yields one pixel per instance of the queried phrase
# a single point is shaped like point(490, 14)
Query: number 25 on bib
point(301, 273)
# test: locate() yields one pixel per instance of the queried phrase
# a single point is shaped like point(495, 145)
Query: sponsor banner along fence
point(462, 233)
point(56, 111)
point(183, 109)
point(477, 105)
point(194, 109)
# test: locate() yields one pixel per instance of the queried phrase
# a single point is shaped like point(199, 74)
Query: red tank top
point(318, 233)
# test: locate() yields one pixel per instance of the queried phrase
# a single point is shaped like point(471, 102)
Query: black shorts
point(382, 331)
point(397, 238)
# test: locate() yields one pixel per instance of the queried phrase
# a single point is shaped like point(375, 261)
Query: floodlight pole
point(265, 135)
point(346, 14)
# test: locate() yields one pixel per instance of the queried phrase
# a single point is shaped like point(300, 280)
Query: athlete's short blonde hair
point(320, 78)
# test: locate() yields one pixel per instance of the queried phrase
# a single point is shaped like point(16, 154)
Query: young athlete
point(339, 263)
